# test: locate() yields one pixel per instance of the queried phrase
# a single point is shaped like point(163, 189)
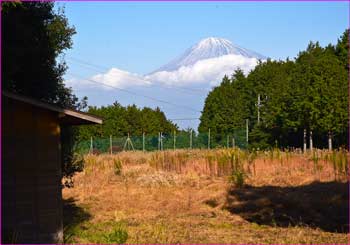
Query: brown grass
point(185, 197)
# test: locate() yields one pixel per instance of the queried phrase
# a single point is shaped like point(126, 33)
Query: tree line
point(284, 101)
point(308, 93)
point(121, 120)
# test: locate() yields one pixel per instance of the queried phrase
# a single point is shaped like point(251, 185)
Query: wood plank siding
point(31, 174)
point(31, 168)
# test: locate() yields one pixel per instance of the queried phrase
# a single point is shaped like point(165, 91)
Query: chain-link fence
point(163, 141)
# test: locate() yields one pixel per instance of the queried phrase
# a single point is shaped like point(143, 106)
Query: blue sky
point(139, 37)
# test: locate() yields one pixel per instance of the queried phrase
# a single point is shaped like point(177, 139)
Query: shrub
point(238, 178)
point(117, 166)
point(74, 164)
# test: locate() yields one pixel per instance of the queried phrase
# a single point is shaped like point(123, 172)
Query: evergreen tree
point(34, 36)
point(308, 93)
point(120, 121)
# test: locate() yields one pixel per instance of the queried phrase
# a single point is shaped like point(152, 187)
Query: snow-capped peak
point(207, 48)
point(213, 41)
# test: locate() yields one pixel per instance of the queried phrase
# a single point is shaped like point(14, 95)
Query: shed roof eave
point(83, 118)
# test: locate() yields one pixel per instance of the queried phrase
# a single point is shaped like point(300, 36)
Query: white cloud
point(204, 72)
point(209, 71)
point(119, 78)
point(112, 78)
point(77, 83)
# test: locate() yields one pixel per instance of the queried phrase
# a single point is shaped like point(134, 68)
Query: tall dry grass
point(180, 196)
point(224, 162)
point(256, 167)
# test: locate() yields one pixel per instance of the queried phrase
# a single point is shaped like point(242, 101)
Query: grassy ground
point(142, 198)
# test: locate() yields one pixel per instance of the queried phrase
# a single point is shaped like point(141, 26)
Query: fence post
point(174, 140)
point(158, 141)
point(247, 130)
point(191, 139)
point(162, 141)
point(143, 141)
point(209, 139)
point(233, 142)
point(91, 146)
point(228, 143)
point(111, 144)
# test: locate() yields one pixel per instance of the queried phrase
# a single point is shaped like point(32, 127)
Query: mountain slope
point(206, 49)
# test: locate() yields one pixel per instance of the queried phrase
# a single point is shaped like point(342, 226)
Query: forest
point(121, 121)
point(282, 99)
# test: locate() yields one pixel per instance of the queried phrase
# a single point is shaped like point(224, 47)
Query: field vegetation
point(210, 196)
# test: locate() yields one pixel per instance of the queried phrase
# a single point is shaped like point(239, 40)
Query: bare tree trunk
point(304, 140)
point(330, 140)
point(311, 145)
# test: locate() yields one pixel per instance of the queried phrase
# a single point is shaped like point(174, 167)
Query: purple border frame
point(160, 1)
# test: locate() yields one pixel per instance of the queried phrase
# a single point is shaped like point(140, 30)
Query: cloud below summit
point(203, 64)
point(203, 72)
point(207, 71)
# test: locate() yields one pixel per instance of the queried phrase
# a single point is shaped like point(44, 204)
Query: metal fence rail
point(163, 141)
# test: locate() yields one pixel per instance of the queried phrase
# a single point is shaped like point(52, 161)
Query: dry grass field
point(209, 196)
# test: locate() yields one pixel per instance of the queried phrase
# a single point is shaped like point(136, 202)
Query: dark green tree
point(120, 121)
point(34, 37)
point(270, 82)
point(309, 93)
point(342, 48)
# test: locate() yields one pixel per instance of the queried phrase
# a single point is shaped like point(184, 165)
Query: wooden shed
point(31, 168)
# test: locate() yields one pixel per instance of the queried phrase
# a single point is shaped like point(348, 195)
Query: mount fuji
point(207, 48)
point(184, 80)
point(206, 63)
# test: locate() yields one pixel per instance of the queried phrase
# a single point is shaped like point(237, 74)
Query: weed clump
point(237, 178)
point(118, 236)
point(117, 166)
point(101, 233)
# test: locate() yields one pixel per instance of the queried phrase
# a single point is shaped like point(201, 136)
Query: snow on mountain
point(207, 48)
point(206, 63)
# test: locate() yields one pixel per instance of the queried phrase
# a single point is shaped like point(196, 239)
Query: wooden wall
point(31, 174)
